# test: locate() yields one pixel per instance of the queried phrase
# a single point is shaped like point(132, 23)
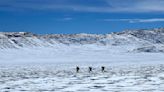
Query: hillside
point(144, 40)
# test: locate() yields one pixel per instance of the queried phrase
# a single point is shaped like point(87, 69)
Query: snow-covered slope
point(133, 62)
point(133, 40)
point(131, 46)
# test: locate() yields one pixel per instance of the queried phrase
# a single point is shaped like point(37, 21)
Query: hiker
point(77, 69)
point(102, 69)
point(90, 69)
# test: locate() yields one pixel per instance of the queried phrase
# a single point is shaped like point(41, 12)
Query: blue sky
point(80, 16)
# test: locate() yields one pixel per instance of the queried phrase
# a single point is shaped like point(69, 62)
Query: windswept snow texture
point(46, 63)
point(49, 78)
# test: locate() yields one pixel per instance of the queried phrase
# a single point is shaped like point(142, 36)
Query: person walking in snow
point(77, 69)
point(102, 69)
point(90, 69)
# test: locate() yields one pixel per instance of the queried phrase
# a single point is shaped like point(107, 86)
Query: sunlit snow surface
point(53, 70)
point(49, 78)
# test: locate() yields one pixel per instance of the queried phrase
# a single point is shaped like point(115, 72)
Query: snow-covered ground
point(63, 78)
point(53, 70)
point(46, 63)
point(78, 55)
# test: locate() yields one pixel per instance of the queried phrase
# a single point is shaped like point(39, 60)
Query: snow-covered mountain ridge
point(143, 40)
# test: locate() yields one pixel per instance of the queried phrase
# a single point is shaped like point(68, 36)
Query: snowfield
point(48, 70)
point(133, 62)
point(51, 78)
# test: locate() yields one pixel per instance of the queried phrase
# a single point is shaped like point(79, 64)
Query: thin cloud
point(136, 20)
point(106, 6)
point(65, 19)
